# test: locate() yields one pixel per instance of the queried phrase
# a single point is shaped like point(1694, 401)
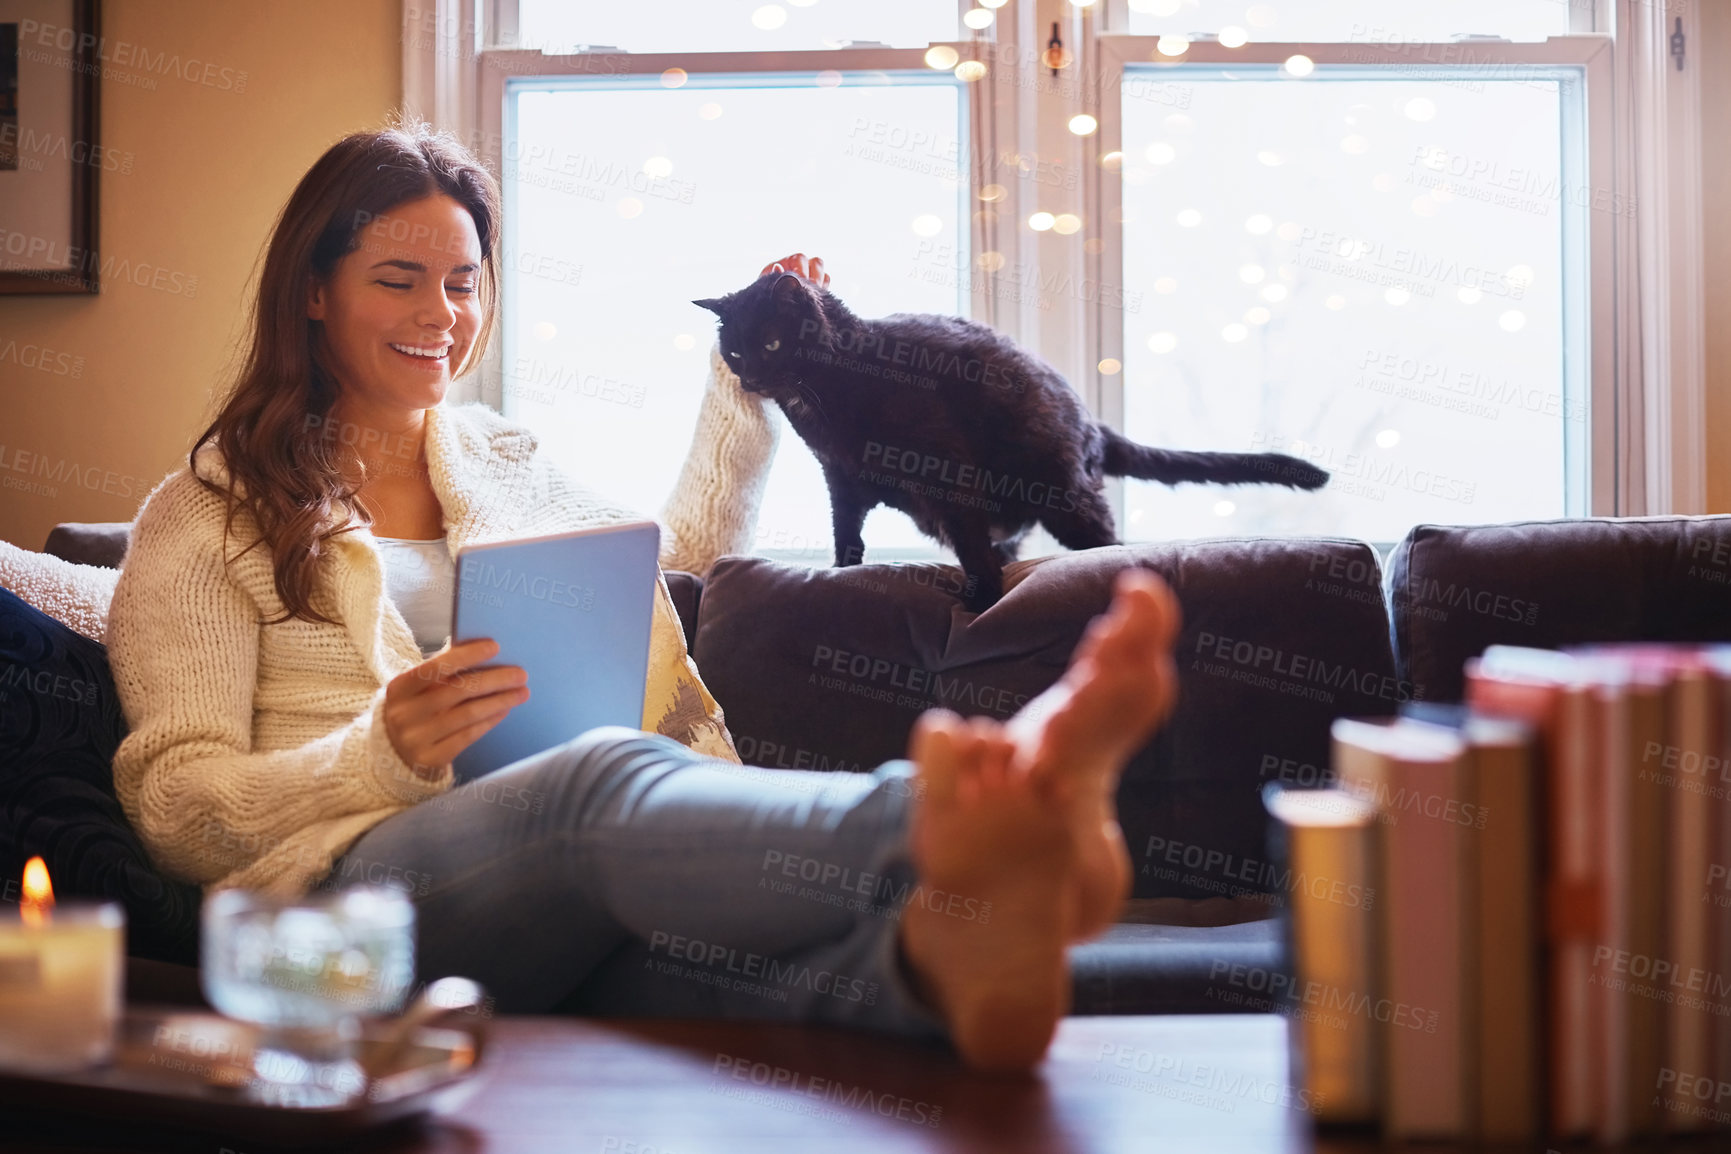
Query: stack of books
point(1549, 949)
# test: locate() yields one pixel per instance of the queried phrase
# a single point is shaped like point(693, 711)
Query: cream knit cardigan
point(257, 755)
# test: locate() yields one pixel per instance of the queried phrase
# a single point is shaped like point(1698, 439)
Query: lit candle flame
point(38, 897)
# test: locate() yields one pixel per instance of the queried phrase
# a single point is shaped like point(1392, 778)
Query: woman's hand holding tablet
point(442, 706)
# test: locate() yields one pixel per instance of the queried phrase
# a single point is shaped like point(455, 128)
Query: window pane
point(557, 26)
point(625, 203)
point(1368, 274)
point(1354, 20)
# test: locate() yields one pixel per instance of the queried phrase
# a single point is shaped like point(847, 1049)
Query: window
point(1362, 256)
point(1371, 234)
point(1362, 272)
point(648, 196)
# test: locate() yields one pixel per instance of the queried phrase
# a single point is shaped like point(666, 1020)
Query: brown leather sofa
point(827, 669)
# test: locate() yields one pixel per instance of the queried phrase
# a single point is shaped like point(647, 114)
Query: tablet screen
point(575, 611)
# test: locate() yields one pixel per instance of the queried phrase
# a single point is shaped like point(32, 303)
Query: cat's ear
point(713, 304)
point(790, 294)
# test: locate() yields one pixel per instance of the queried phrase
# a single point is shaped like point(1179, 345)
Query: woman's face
point(403, 308)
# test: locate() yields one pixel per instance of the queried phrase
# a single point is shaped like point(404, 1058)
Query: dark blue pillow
point(60, 723)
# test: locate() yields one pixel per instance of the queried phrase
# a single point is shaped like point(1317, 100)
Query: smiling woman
point(397, 313)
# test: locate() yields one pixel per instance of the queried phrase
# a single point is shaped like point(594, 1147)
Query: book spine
point(1424, 974)
point(1647, 817)
point(1688, 983)
point(1573, 909)
point(1716, 898)
point(1505, 889)
point(1612, 785)
point(1334, 931)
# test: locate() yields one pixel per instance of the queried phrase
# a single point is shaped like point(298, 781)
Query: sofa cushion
point(1159, 969)
point(828, 668)
point(1457, 589)
point(90, 542)
point(60, 723)
point(687, 591)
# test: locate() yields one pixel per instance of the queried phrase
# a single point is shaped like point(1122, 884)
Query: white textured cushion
point(77, 596)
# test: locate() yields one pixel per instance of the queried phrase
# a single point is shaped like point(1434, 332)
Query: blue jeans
point(621, 874)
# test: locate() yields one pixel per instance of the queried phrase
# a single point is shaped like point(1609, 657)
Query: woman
point(287, 731)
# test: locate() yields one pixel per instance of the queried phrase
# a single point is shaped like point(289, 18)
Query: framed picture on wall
point(50, 155)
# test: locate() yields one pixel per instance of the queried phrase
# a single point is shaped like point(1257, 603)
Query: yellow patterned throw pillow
point(676, 702)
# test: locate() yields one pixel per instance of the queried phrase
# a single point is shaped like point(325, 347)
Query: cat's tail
point(1126, 458)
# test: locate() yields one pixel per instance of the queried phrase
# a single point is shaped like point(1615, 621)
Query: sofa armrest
point(90, 542)
point(1456, 590)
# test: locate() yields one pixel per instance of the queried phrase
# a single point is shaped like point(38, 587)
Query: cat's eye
point(735, 356)
point(772, 345)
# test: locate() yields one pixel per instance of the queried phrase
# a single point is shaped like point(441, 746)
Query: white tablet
point(574, 610)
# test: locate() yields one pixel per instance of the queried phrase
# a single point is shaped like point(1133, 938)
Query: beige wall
point(1714, 60)
point(210, 167)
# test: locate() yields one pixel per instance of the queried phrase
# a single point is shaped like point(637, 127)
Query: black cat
point(973, 437)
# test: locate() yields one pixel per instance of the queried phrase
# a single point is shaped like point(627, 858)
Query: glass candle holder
point(61, 979)
point(307, 972)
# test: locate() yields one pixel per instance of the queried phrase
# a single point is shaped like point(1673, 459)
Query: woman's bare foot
point(1023, 816)
point(1075, 738)
point(993, 963)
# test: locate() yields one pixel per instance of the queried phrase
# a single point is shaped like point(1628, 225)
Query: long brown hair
point(296, 481)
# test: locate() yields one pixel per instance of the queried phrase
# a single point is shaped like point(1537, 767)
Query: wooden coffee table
point(565, 1085)
point(689, 1087)
point(1114, 1085)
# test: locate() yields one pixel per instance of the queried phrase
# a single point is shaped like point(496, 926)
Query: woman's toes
point(1151, 605)
point(938, 748)
point(995, 752)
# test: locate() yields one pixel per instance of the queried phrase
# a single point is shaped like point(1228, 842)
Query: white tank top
point(419, 576)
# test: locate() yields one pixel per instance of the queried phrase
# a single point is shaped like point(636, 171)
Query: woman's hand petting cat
point(811, 268)
point(442, 706)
